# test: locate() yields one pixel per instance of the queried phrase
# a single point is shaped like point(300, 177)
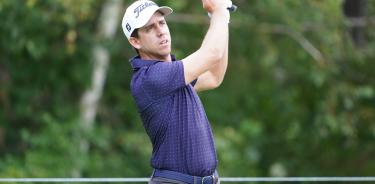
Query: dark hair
point(135, 35)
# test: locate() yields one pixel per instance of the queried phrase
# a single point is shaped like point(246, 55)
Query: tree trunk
point(108, 24)
point(355, 10)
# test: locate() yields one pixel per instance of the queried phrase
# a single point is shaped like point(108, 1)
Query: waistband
point(211, 179)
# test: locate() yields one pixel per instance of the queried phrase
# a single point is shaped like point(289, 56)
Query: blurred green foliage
point(298, 98)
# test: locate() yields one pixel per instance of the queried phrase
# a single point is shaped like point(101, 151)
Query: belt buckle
point(215, 179)
point(207, 177)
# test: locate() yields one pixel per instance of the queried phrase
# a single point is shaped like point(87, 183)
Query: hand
point(209, 4)
point(213, 5)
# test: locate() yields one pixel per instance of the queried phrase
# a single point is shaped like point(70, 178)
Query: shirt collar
point(137, 62)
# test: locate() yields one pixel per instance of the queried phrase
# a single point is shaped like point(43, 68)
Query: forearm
point(218, 71)
point(215, 42)
point(212, 50)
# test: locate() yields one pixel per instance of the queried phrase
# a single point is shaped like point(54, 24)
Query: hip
point(172, 177)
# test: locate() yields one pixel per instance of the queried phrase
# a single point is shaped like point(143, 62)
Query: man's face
point(154, 38)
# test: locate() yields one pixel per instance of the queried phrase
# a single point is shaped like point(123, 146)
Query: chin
point(166, 52)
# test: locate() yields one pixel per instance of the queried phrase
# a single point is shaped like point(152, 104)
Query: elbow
point(215, 55)
point(216, 83)
point(219, 82)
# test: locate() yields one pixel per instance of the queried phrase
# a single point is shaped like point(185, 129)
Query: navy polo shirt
point(174, 118)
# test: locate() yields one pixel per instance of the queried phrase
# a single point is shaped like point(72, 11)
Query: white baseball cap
point(139, 13)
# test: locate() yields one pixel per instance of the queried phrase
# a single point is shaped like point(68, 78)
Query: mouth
point(164, 42)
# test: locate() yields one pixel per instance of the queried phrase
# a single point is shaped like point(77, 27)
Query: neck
point(167, 58)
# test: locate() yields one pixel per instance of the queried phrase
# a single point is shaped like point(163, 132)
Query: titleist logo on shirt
point(141, 7)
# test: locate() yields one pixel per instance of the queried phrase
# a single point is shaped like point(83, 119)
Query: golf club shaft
point(233, 8)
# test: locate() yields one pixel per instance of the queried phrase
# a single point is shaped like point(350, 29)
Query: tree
point(297, 99)
point(356, 12)
point(89, 102)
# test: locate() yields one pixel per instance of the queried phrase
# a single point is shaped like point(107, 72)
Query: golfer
point(165, 90)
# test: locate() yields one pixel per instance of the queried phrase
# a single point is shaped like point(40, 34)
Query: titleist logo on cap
point(141, 7)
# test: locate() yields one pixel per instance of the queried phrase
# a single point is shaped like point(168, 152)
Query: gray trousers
point(159, 180)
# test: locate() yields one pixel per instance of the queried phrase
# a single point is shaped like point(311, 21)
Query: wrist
point(222, 11)
point(220, 15)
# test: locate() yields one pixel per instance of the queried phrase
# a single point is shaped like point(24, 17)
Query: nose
point(160, 30)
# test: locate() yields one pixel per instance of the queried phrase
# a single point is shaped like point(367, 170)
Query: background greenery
point(298, 98)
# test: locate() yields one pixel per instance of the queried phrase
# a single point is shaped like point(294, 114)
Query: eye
point(162, 22)
point(148, 28)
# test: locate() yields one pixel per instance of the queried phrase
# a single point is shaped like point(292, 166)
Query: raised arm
point(214, 46)
point(213, 77)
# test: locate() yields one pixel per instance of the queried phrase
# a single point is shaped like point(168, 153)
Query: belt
point(212, 179)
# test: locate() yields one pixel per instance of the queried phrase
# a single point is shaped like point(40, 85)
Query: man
point(165, 89)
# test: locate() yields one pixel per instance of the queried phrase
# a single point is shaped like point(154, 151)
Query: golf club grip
point(233, 8)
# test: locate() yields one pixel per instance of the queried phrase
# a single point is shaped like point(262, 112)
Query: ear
point(135, 42)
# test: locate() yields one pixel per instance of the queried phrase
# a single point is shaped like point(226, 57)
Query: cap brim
point(165, 10)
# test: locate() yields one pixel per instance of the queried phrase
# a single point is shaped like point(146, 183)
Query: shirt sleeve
point(163, 78)
point(194, 82)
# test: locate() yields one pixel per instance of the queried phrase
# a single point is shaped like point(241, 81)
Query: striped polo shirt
point(173, 117)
